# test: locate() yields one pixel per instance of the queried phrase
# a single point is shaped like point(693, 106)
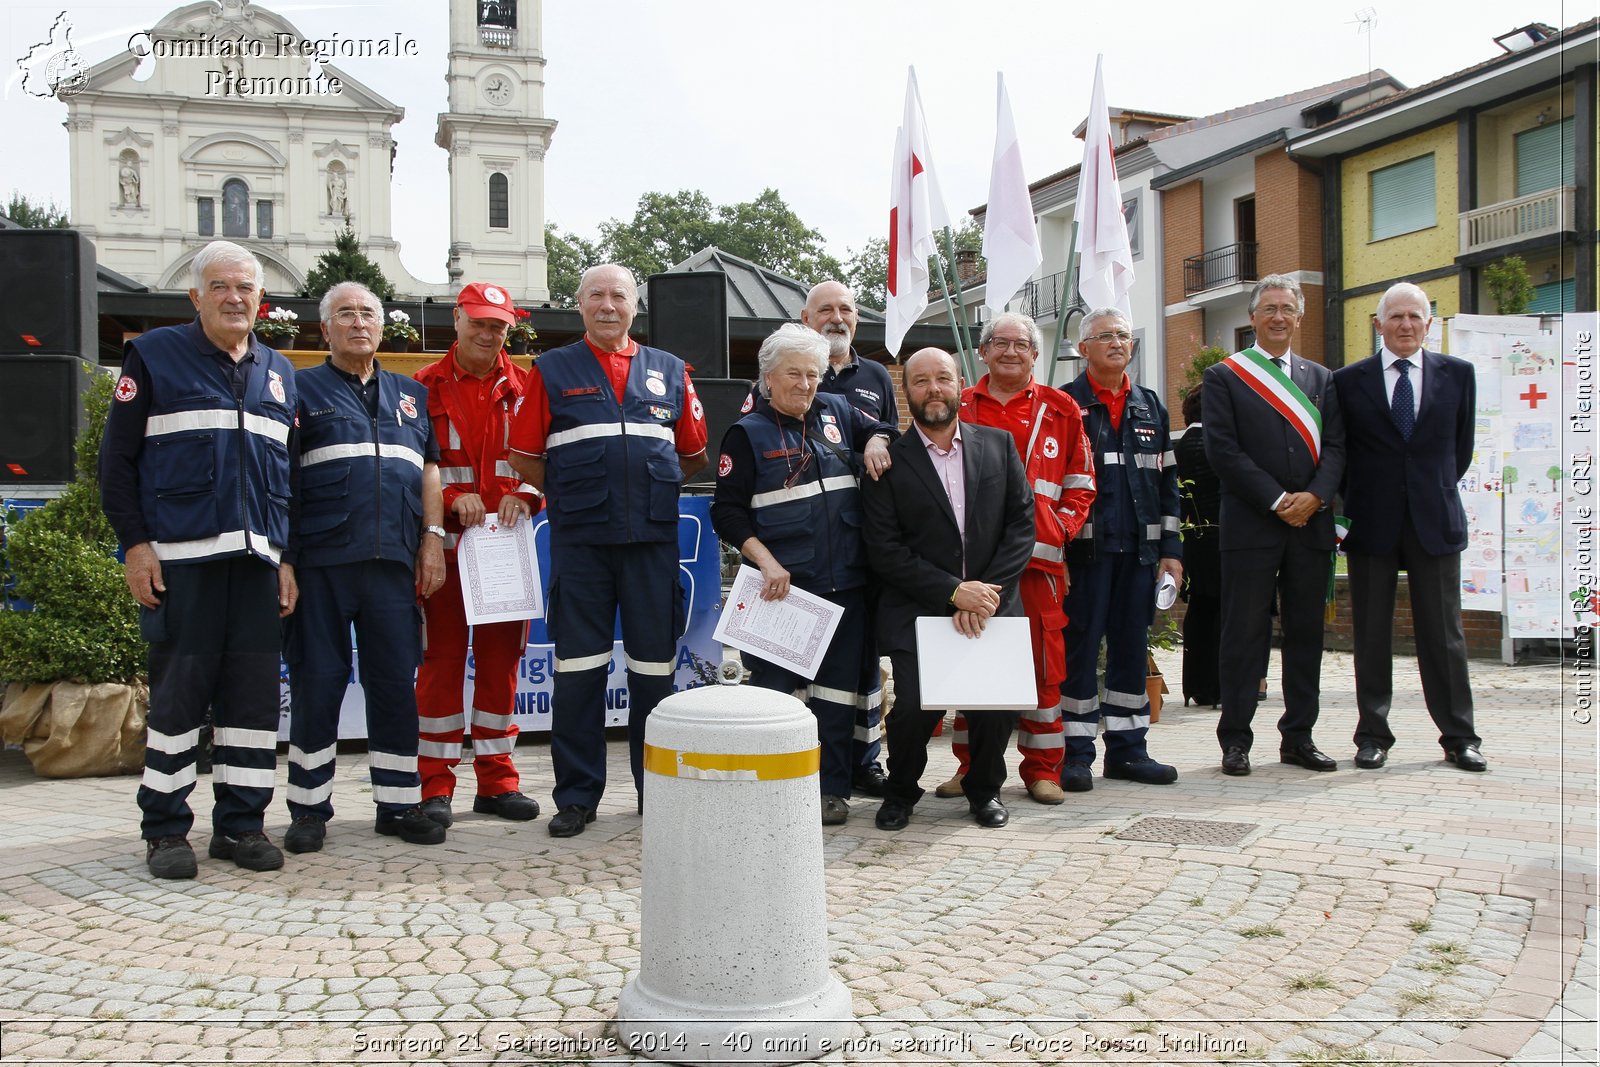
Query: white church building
point(224, 121)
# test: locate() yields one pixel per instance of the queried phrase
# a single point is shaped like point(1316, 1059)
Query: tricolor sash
point(1275, 387)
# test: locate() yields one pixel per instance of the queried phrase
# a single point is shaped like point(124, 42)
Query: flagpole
point(958, 322)
point(1070, 285)
point(955, 329)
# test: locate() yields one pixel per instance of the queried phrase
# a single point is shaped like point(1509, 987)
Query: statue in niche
point(338, 194)
point(128, 183)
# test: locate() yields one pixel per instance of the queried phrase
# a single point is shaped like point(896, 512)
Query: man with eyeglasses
point(471, 393)
point(366, 542)
point(1275, 436)
point(1047, 427)
point(194, 478)
point(609, 428)
point(1126, 551)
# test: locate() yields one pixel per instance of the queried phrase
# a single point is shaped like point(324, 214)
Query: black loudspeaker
point(41, 412)
point(723, 399)
point(48, 297)
point(689, 318)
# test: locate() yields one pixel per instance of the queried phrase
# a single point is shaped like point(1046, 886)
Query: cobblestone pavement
point(1414, 914)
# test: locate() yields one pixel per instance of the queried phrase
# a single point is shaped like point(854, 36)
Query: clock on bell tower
point(496, 134)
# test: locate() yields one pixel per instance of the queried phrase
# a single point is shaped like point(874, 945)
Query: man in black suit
point(1409, 424)
point(1276, 440)
point(949, 529)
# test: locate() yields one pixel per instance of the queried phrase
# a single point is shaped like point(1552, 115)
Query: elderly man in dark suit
point(949, 529)
point(1276, 440)
point(1409, 425)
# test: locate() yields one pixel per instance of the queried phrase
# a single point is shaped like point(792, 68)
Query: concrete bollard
point(734, 941)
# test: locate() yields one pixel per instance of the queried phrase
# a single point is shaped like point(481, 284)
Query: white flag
point(1010, 240)
point(916, 213)
point(1105, 260)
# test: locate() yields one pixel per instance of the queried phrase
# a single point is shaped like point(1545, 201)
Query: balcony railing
point(1220, 266)
point(1047, 297)
point(1541, 214)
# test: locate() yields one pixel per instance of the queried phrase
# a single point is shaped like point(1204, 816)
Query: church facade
point(224, 121)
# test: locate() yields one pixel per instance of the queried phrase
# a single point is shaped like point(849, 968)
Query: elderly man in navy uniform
point(609, 429)
point(367, 538)
point(194, 477)
point(831, 311)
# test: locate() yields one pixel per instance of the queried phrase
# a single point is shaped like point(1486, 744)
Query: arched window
point(499, 202)
point(235, 208)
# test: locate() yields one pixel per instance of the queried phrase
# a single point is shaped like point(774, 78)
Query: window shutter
point(1403, 198)
point(1544, 157)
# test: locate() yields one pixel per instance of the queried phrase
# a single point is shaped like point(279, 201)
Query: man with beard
point(949, 529)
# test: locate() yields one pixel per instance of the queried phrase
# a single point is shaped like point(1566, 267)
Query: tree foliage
point(867, 269)
point(84, 625)
point(1206, 357)
point(346, 263)
point(31, 216)
point(1509, 285)
point(668, 228)
point(566, 257)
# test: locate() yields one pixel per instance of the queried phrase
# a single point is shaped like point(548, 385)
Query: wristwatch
point(439, 530)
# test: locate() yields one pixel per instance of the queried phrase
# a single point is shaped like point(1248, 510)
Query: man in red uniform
point(471, 393)
point(1048, 429)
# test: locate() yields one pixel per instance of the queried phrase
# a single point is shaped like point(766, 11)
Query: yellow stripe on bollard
point(732, 767)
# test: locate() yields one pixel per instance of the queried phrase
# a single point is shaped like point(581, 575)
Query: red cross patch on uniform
point(749, 402)
point(1051, 448)
point(724, 465)
point(408, 405)
point(127, 389)
point(275, 386)
point(698, 408)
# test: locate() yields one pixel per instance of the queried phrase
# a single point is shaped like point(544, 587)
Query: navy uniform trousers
point(379, 597)
point(593, 584)
point(846, 679)
point(1112, 598)
point(214, 645)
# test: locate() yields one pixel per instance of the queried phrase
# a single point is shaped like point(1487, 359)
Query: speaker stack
point(689, 318)
point(49, 334)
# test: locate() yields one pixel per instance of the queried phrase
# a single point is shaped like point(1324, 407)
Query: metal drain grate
point(1187, 832)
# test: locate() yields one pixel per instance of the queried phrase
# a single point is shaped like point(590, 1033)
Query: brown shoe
point(1044, 791)
point(949, 789)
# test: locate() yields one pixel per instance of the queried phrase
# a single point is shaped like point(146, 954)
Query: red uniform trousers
point(1039, 736)
point(497, 648)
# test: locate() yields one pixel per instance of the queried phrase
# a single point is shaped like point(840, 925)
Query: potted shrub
point(278, 326)
point(399, 332)
point(74, 696)
point(521, 334)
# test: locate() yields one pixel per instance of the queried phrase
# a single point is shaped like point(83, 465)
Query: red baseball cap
point(480, 300)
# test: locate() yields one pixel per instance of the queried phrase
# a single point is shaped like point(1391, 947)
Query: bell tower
point(496, 134)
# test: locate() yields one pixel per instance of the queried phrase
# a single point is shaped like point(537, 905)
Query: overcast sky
point(732, 97)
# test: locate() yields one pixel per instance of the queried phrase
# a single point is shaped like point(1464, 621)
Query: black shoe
point(438, 809)
point(835, 810)
point(170, 857)
point(513, 805)
point(305, 834)
point(1235, 761)
point(893, 815)
point(1468, 758)
point(570, 821)
point(252, 850)
point(869, 781)
point(1371, 757)
point(1077, 777)
point(991, 813)
point(1307, 755)
point(1144, 770)
point(413, 826)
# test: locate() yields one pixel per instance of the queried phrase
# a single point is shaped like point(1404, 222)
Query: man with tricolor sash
point(1276, 440)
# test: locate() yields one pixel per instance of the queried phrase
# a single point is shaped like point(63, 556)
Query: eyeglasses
point(1005, 344)
point(796, 471)
point(350, 316)
point(1112, 335)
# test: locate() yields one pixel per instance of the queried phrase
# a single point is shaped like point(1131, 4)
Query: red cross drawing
point(1533, 396)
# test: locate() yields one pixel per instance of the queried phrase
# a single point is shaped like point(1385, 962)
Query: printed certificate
point(499, 572)
point(793, 632)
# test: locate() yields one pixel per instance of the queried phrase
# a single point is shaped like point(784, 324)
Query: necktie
point(1282, 363)
point(1403, 405)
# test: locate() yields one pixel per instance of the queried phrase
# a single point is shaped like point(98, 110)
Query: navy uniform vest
point(360, 477)
point(214, 471)
point(813, 527)
point(611, 470)
point(1132, 463)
